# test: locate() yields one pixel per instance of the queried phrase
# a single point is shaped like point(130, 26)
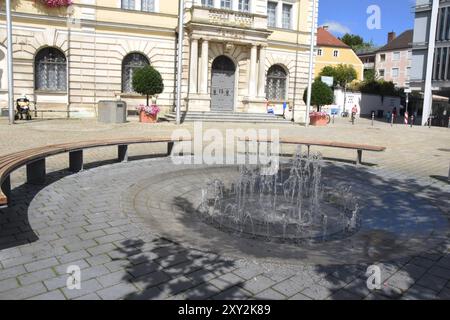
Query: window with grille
point(128, 4)
point(276, 83)
point(50, 70)
point(208, 3)
point(130, 64)
point(272, 14)
point(287, 16)
point(225, 4)
point(319, 52)
point(148, 5)
point(244, 5)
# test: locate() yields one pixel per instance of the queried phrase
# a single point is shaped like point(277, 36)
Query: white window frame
point(276, 14)
point(336, 53)
point(397, 71)
point(241, 3)
point(137, 5)
point(284, 5)
point(382, 55)
point(396, 56)
point(379, 73)
point(319, 52)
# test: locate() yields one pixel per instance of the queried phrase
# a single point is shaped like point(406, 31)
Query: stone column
point(204, 68)
point(193, 71)
point(252, 73)
point(262, 72)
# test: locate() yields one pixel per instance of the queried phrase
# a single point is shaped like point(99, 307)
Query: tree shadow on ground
point(164, 269)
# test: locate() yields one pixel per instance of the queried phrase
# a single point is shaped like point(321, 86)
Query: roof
point(326, 39)
point(367, 51)
point(403, 41)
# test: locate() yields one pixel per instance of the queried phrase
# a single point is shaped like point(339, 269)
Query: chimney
point(391, 36)
point(325, 28)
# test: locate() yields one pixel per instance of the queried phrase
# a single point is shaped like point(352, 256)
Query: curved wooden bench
point(307, 142)
point(34, 159)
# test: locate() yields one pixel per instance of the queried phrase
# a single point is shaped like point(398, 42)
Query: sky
point(351, 16)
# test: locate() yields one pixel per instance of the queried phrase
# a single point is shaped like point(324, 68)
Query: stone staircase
point(220, 116)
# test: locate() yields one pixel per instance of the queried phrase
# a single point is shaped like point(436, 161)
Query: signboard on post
point(327, 80)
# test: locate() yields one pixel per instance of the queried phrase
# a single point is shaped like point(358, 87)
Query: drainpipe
point(9, 53)
point(180, 58)
point(311, 56)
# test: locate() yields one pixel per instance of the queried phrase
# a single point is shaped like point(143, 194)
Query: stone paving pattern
point(46, 230)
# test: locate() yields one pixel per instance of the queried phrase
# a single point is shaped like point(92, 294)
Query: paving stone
point(41, 264)
point(91, 296)
point(299, 296)
point(176, 285)
point(53, 295)
point(98, 260)
point(258, 284)
point(151, 280)
point(36, 276)
point(269, 294)
point(400, 280)
point(110, 279)
point(87, 287)
point(418, 292)
point(73, 256)
point(225, 281)
point(8, 284)
point(104, 248)
point(317, 292)
point(12, 272)
point(432, 282)
point(23, 292)
point(233, 293)
point(440, 272)
point(289, 287)
point(344, 295)
point(423, 262)
point(118, 291)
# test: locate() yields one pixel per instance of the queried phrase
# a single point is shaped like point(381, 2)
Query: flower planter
point(319, 120)
point(147, 118)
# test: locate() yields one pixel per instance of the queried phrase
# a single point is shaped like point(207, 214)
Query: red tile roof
point(326, 39)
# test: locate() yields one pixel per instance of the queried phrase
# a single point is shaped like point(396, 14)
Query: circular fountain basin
point(393, 222)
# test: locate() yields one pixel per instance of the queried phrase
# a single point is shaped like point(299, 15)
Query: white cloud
point(336, 27)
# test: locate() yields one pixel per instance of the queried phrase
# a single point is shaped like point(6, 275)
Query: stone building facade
point(238, 54)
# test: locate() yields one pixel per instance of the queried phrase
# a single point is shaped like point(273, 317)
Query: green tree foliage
point(343, 74)
point(321, 94)
point(356, 42)
point(382, 88)
point(147, 81)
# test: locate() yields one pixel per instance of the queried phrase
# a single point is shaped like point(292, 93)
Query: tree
point(321, 94)
point(147, 81)
point(356, 42)
point(343, 74)
point(352, 40)
point(370, 75)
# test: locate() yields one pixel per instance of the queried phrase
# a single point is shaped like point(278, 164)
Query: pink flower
point(152, 110)
point(57, 3)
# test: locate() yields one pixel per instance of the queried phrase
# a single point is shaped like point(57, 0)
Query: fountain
point(292, 206)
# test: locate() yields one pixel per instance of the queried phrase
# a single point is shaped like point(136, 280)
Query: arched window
point(276, 83)
point(130, 64)
point(50, 70)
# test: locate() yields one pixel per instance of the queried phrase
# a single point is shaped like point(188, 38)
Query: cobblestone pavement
point(68, 221)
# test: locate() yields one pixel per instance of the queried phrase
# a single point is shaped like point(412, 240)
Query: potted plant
point(321, 95)
point(148, 81)
point(148, 114)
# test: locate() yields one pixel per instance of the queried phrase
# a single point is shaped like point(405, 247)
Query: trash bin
point(112, 111)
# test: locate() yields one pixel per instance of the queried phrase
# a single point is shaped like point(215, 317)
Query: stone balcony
point(226, 18)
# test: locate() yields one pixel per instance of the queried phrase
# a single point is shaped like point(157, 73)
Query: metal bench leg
point(169, 148)
point(122, 152)
point(76, 161)
point(359, 157)
point(36, 172)
point(309, 150)
point(6, 189)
